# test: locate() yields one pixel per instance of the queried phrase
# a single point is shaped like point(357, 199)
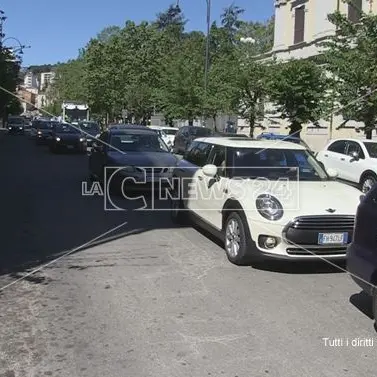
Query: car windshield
point(170, 131)
point(138, 143)
point(371, 148)
point(199, 131)
point(15, 120)
point(41, 125)
point(277, 163)
point(89, 126)
point(66, 128)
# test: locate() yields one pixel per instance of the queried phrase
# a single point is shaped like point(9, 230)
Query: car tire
point(237, 239)
point(374, 307)
point(367, 182)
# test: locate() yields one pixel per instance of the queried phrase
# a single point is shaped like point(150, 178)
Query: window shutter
point(299, 25)
point(354, 10)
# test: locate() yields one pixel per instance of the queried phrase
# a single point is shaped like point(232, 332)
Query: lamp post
point(206, 68)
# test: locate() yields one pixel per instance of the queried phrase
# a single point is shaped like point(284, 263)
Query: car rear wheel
point(237, 240)
point(367, 183)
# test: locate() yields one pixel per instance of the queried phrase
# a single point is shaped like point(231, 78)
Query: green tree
point(107, 33)
point(172, 20)
point(221, 80)
point(180, 94)
point(230, 20)
point(69, 83)
point(261, 32)
point(9, 79)
point(299, 88)
point(351, 58)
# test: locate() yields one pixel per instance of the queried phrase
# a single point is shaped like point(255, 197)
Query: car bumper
point(362, 267)
point(286, 250)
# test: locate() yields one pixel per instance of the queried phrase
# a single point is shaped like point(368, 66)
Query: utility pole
point(2, 20)
point(206, 70)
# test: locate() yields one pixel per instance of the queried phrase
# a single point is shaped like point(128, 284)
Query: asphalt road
point(151, 299)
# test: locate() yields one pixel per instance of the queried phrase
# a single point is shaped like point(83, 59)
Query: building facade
point(46, 79)
point(31, 80)
point(299, 26)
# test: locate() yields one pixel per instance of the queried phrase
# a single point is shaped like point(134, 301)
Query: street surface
point(152, 299)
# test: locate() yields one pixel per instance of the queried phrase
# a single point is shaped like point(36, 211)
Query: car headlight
point(58, 139)
point(269, 207)
point(82, 139)
point(39, 132)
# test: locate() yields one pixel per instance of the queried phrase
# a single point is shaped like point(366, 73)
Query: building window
point(355, 10)
point(299, 31)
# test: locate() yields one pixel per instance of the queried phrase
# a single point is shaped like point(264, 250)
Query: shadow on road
point(44, 215)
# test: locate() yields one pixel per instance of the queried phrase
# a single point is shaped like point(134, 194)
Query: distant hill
point(37, 69)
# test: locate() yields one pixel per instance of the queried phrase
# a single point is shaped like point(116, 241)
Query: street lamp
point(18, 49)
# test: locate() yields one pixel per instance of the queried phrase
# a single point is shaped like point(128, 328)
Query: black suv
point(186, 135)
point(16, 125)
point(362, 252)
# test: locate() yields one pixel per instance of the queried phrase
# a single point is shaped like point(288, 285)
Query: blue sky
point(56, 30)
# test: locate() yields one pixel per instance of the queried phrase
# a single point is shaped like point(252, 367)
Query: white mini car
point(265, 199)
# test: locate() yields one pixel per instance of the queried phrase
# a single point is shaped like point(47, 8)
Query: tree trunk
point(368, 130)
point(191, 122)
point(214, 123)
point(295, 128)
point(252, 125)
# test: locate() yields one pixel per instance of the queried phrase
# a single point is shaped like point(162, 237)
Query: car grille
point(304, 230)
point(328, 223)
point(329, 250)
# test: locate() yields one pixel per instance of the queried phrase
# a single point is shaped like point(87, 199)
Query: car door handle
point(200, 178)
point(342, 159)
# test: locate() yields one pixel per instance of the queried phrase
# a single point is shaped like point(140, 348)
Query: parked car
point(162, 135)
point(292, 139)
point(66, 137)
point(16, 125)
point(362, 252)
point(229, 134)
point(91, 130)
point(167, 133)
point(186, 135)
point(41, 131)
point(134, 152)
point(355, 160)
point(239, 190)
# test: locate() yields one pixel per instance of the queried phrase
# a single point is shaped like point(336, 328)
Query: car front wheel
point(367, 183)
point(237, 240)
point(375, 308)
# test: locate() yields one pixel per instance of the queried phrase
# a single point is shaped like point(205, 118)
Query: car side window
point(218, 157)
point(198, 153)
point(353, 147)
point(338, 146)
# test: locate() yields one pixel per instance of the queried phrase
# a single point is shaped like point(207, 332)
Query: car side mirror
point(332, 173)
point(210, 170)
point(354, 157)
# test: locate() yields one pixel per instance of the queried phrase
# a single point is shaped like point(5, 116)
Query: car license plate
point(332, 238)
point(70, 146)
